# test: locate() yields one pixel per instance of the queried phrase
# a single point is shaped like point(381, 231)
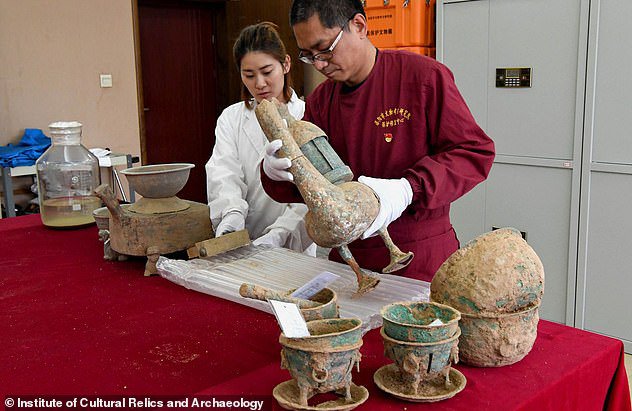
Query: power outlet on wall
point(105, 80)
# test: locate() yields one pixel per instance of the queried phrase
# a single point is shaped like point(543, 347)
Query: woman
point(235, 195)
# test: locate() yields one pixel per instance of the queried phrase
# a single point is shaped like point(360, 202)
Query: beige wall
point(51, 55)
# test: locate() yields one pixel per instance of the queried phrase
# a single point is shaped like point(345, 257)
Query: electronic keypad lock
point(513, 77)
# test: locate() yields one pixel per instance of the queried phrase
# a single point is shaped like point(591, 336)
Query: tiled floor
point(628, 370)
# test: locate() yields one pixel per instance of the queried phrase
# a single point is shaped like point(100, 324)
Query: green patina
point(469, 303)
point(337, 332)
point(345, 339)
point(440, 354)
point(337, 364)
point(418, 313)
point(527, 318)
point(326, 160)
point(530, 295)
point(410, 321)
point(491, 324)
point(501, 303)
point(520, 267)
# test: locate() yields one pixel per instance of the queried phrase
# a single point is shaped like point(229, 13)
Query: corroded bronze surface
point(288, 394)
point(410, 321)
point(497, 272)
point(323, 361)
point(314, 144)
point(261, 293)
point(320, 306)
point(154, 234)
point(389, 379)
point(328, 308)
point(102, 218)
point(419, 362)
point(338, 214)
point(158, 180)
point(495, 341)
point(496, 281)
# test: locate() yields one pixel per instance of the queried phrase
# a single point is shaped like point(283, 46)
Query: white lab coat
point(233, 180)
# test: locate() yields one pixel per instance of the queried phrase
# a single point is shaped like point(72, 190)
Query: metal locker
point(467, 214)
point(613, 88)
point(534, 183)
point(567, 136)
point(543, 35)
point(609, 260)
point(604, 276)
point(536, 201)
point(465, 31)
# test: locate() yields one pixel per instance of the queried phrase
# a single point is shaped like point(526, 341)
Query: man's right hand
point(276, 167)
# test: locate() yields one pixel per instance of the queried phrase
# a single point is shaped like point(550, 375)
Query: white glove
point(232, 221)
point(276, 167)
point(394, 194)
point(274, 238)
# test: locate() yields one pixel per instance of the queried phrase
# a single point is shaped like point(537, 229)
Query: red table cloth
point(74, 324)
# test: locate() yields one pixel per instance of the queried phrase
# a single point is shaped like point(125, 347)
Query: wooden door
point(179, 87)
point(240, 14)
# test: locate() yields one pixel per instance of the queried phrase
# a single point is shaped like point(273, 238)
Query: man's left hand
point(394, 195)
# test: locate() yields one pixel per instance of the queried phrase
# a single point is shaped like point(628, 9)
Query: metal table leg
point(7, 183)
point(132, 193)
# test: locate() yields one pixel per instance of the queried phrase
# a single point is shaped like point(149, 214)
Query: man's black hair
point(332, 13)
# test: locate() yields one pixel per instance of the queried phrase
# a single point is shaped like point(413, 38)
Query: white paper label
point(435, 323)
point(290, 319)
point(314, 285)
point(105, 162)
point(76, 207)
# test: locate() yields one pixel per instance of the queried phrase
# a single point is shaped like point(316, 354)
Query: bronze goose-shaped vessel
point(338, 213)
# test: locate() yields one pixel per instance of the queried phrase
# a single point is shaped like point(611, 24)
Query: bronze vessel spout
point(147, 234)
point(338, 213)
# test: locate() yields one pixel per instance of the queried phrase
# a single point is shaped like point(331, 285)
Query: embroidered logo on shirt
point(388, 137)
point(392, 117)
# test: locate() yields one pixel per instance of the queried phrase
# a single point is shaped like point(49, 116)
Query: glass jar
point(67, 174)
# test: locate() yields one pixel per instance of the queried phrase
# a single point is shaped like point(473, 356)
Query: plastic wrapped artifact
point(281, 269)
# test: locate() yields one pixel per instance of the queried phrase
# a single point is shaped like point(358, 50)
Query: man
point(399, 122)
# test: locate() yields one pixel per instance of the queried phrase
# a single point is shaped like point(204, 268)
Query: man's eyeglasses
point(325, 55)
